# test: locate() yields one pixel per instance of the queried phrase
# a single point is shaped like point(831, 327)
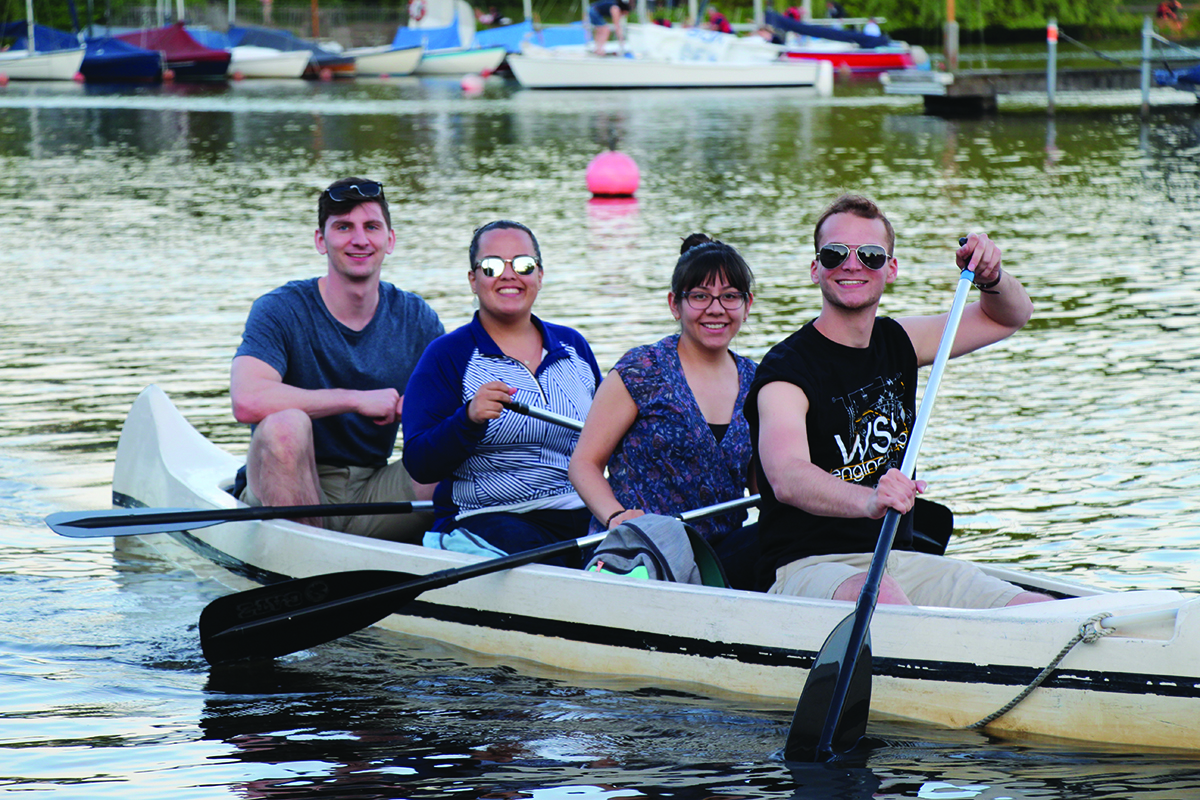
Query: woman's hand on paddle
point(980, 255)
point(895, 490)
point(489, 402)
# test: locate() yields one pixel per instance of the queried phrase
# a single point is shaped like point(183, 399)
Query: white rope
point(1089, 632)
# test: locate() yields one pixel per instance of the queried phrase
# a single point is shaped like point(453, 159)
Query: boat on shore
point(1138, 685)
point(321, 62)
point(655, 57)
point(34, 57)
point(848, 51)
point(447, 36)
point(385, 59)
point(253, 61)
point(187, 58)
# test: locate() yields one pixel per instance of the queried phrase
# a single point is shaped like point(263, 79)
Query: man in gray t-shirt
point(322, 370)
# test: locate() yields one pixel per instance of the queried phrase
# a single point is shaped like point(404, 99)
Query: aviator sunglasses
point(364, 191)
point(871, 256)
point(492, 266)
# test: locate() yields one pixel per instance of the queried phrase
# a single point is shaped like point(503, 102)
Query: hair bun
point(694, 240)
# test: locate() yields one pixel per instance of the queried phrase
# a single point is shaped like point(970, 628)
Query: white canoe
point(548, 70)
point(461, 61)
point(385, 59)
point(55, 65)
point(950, 667)
point(267, 62)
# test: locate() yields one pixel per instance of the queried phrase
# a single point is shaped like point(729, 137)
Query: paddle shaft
point(544, 416)
point(869, 595)
point(144, 521)
point(281, 618)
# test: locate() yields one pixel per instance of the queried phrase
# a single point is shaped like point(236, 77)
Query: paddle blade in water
point(273, 621)
point(804, 737)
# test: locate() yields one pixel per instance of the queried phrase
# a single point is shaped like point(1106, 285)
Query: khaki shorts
point(927, 580)
point(388, 484)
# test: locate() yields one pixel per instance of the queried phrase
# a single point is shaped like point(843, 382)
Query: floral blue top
point(670, 461)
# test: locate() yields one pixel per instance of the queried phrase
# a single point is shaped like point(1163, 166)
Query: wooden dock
point(974, 92)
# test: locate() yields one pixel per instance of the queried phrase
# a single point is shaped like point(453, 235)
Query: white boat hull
point(473, 60)
point(57, 65)
point(264, 62)
point(385, 60)
point(551, 72)
point(943, 666)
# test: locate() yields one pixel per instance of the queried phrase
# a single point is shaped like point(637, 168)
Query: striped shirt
point(513, 463)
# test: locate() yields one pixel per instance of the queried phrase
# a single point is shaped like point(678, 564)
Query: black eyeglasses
point(355, 191)
point(493, 266)
point(700, 301)
point(871, 256)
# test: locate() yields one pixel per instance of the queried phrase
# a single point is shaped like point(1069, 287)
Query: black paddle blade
point(804, 736)
point(108, 523)
point(266, 622)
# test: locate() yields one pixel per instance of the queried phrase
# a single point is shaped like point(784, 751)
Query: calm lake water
point(139, 225)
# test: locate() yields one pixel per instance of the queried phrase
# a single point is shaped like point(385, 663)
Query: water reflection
point(141, 224)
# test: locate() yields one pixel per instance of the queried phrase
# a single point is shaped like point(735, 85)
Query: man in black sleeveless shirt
point(830, 413)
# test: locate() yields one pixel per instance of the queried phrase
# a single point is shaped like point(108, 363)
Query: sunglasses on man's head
point(871, 256)
point(493, 266)
point(355, 191)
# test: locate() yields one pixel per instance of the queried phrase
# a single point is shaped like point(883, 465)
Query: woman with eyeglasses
point(502, 475)
point(667, 421)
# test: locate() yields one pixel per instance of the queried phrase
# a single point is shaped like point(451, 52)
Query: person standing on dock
point(831, 411)
point(322, 370)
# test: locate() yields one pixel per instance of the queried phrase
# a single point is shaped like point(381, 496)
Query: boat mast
point(29, 25)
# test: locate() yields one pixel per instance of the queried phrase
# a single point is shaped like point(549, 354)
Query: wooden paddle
point(831, 715)
point(296, 614)
point(140, 521)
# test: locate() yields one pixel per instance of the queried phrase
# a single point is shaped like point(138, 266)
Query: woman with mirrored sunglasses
point(667, 421)
point(502, 476)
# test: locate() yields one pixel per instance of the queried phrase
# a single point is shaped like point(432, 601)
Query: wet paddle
point(831, 715)
point(140, 521)
point(296, 614)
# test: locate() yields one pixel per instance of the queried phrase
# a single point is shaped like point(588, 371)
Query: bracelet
point(987, 287)
point(613, 516)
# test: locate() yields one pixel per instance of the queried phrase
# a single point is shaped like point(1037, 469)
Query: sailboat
point(31, 64)
point(446, 29)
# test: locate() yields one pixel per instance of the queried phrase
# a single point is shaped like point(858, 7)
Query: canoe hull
point(943, 666)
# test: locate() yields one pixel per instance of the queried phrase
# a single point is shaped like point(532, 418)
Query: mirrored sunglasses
point(493, 266)
point(355, 191)
point(871, 256)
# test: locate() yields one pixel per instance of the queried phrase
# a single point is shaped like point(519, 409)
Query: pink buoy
point(168, 75)
point(326, 74)
point(612, 174)
point(3, 79)
point(77, 77)
point(472, 85)
point(238, 75)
